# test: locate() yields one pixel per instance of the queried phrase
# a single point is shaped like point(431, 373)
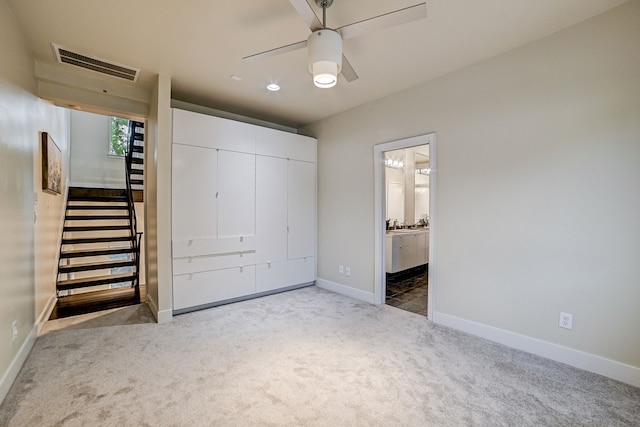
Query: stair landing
point(90, 302)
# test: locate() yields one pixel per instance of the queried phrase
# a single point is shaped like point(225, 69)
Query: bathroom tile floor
point(407, 290)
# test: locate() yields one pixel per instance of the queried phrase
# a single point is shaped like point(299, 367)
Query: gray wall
point(90, 164)
point(538, 187)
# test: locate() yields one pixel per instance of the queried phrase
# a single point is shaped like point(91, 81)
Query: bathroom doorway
point(404, 218)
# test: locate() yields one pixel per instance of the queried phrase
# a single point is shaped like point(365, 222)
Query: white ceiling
point(201, 43)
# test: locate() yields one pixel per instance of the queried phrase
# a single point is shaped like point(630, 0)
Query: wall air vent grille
point(102, 66)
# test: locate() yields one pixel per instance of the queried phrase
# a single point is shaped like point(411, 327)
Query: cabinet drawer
point(212, 262)
point(212, 245)
point(281, 274)
point(192, 290)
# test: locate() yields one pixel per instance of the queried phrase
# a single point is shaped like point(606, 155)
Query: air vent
point(92, 63)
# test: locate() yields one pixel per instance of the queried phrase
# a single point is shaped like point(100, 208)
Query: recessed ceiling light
point(273, 87)
point(234, 77)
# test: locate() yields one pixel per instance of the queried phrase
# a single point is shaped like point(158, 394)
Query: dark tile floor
point(408, 290)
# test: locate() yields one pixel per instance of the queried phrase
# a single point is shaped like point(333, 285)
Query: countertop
point(404, 231)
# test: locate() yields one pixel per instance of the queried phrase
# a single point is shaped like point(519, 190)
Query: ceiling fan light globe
point(325, 57)
point(325, 74)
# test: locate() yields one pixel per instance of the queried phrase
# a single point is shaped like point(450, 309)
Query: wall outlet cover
point(566, 320)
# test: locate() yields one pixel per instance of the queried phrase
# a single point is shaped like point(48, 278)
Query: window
point(118, 136)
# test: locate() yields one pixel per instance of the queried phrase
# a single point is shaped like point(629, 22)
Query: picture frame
point(51, 165)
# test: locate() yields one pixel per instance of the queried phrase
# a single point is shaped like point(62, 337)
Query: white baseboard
point(579, 359)
point(14, 368)
point(346, 290)
point(46, 313)
point(163, 316)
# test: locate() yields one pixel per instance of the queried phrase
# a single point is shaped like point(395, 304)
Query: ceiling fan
point(324, 45)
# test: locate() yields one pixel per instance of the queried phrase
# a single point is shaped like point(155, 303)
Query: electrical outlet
point(566, 320)
point(348, 271)
point(14, 327)
point(341, 269)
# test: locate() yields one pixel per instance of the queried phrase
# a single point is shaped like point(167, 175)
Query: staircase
point(136, 176)
point(100, 248)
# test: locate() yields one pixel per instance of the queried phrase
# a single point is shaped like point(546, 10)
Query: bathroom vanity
point(406, 248)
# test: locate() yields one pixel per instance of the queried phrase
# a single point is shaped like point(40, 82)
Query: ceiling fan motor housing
point(325, 56)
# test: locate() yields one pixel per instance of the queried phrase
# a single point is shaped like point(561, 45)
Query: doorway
point(402, 245)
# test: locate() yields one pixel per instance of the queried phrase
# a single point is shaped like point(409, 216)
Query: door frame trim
point(380, 214)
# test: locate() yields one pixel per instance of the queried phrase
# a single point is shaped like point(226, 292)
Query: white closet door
point(236, 194)
point(271, 209)
point(193, 193)
point(301, 204)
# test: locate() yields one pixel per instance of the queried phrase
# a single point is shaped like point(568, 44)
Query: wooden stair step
point(97, 300)
point(64, 285)
point(138, 148)
point(98, 198)
point(73, 228)
point(94, 217)
point(137, 160)
point(98, 207)
point(138, 195)
point(78, 241)
point(95, 192)
point(137, 181)
point(95, 252)
point(95, 266)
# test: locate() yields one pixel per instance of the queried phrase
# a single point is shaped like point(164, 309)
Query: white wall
point(26, 286)
point(157, 231)
point(538, 188)
point(90, 164)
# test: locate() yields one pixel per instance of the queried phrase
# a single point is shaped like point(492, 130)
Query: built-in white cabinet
point(271, 203)
point(301, 203)
point(194, 187)
point(236, 194)
point(244, 210)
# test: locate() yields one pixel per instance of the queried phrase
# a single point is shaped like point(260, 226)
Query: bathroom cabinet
point(406, 249)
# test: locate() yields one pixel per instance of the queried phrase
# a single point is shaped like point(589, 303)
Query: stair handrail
point(135, 235)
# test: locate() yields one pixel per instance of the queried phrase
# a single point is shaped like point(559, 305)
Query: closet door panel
point(194, 184)
point(236, 194)
point(301, 209)
point(271, 209)
point(213, 132)
point(271, 142)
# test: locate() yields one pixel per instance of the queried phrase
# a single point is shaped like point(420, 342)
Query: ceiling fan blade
point(307, 14)
point(401, 16)
point(347, 70)
point(276, 51)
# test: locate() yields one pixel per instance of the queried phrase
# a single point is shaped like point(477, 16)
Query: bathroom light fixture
point(273, 87)
point(325, 57)
point(394, 163)
point(423, 171)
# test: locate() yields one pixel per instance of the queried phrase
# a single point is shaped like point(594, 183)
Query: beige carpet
point(301, 358)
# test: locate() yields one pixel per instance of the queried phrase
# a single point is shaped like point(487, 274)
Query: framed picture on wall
point(51, 165)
